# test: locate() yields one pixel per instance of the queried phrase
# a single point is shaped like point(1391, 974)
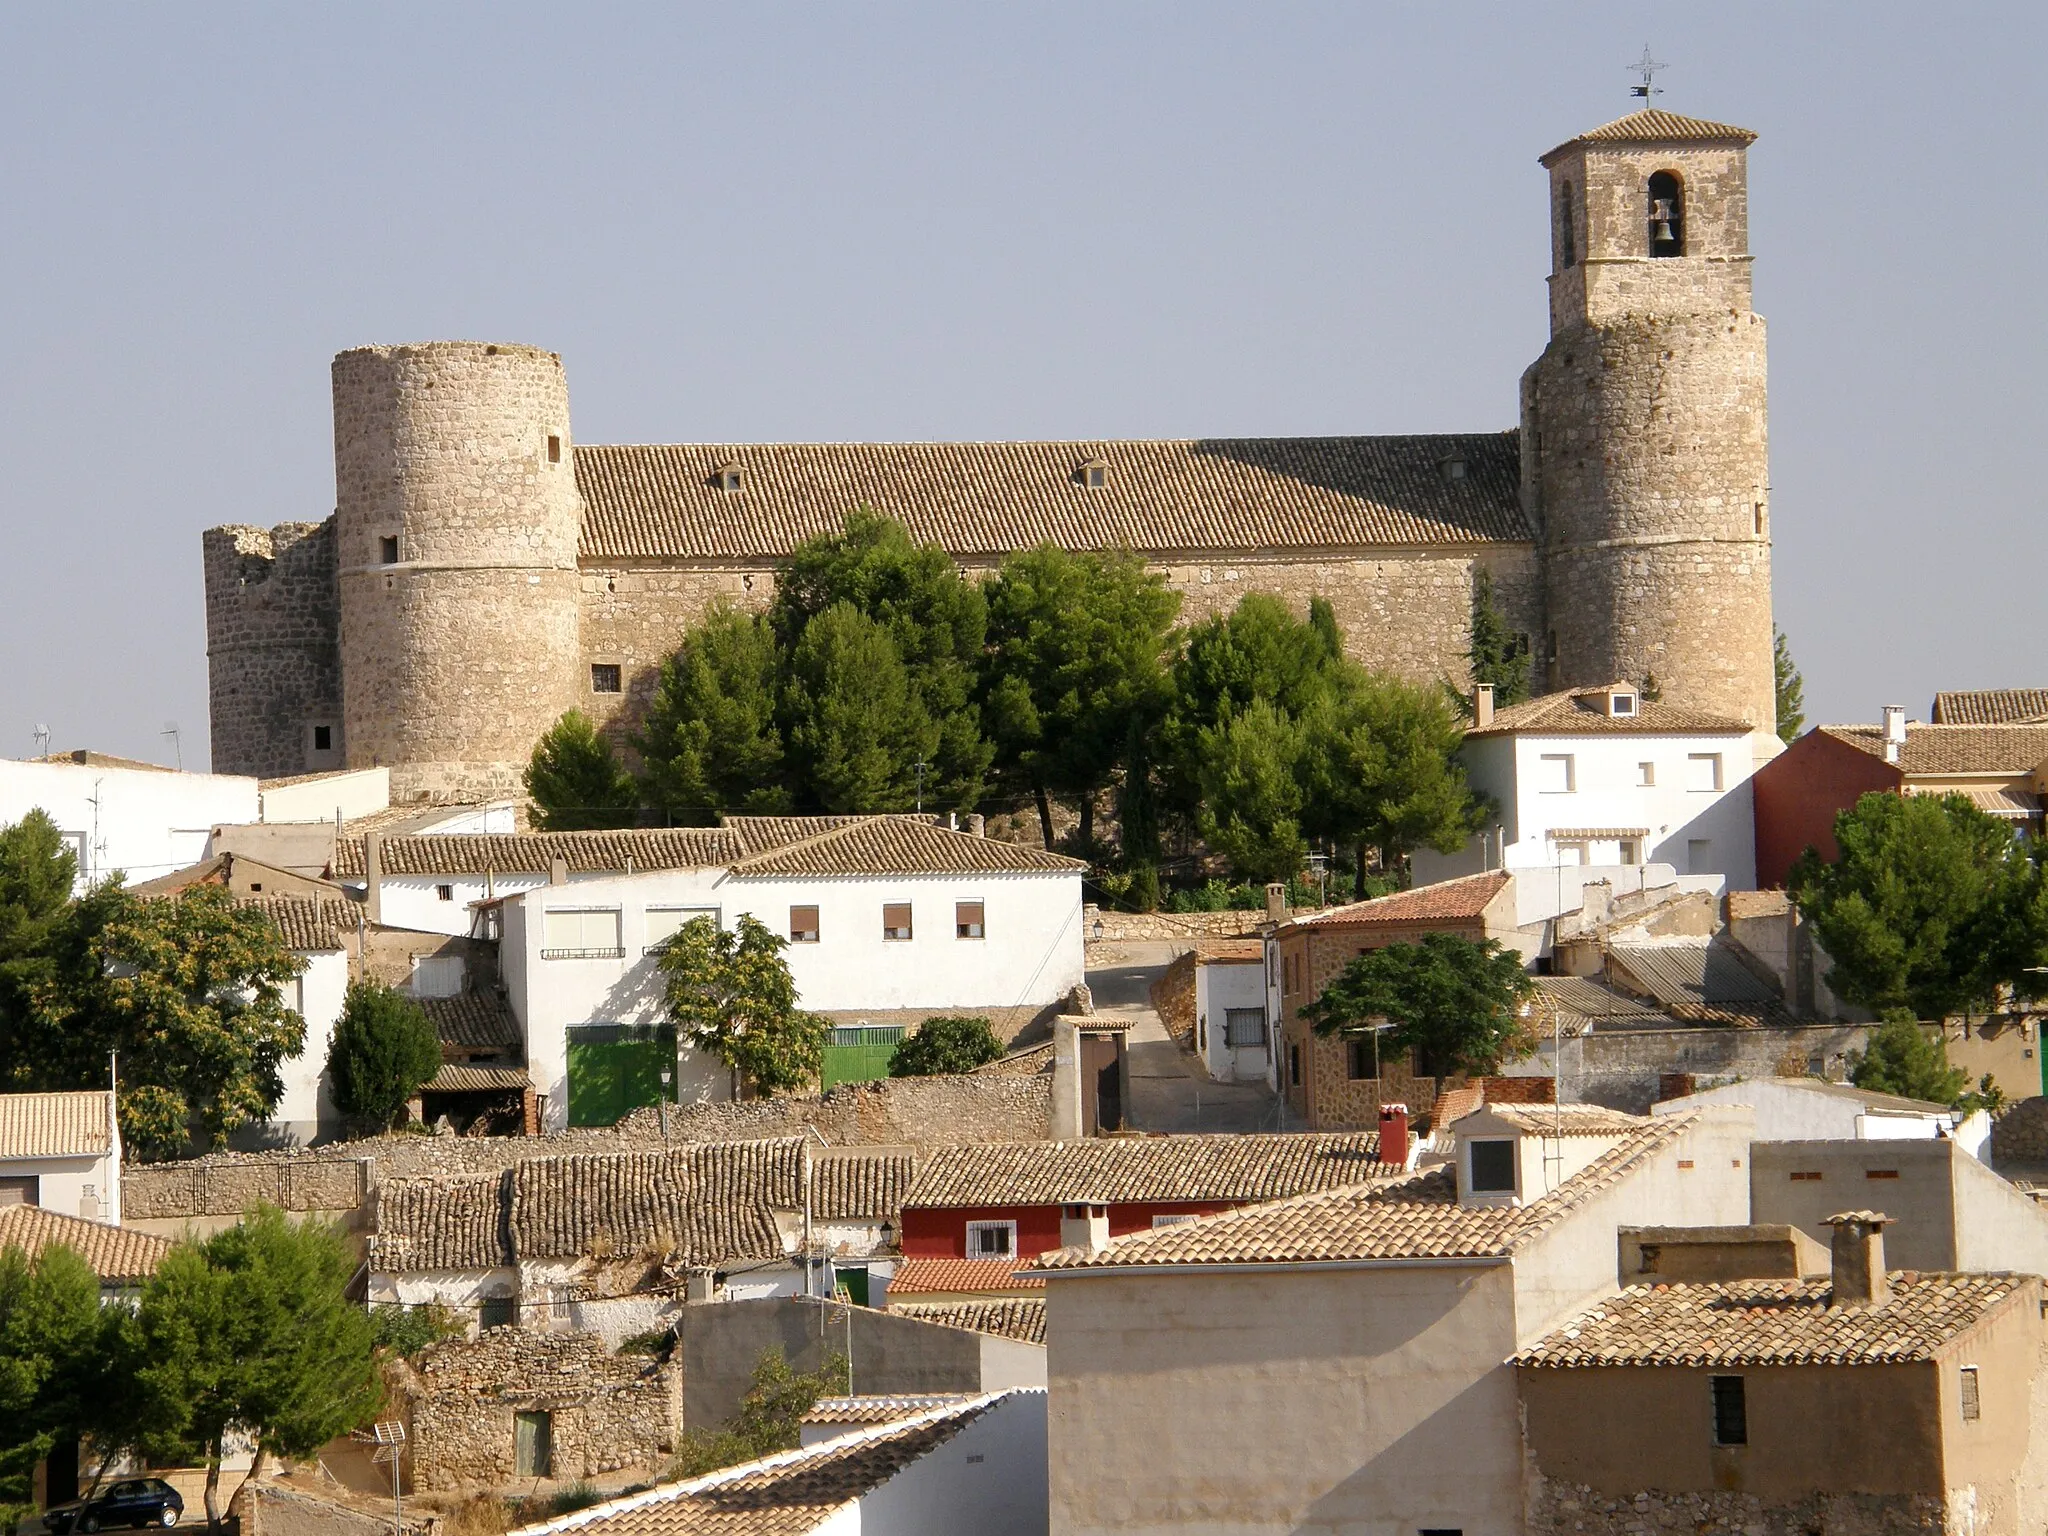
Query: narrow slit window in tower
point(1667, 215)
point(1567, 251)
point(554, 449)
point(387, 549)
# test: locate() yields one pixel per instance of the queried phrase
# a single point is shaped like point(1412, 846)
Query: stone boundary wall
point(1129, 927)
point(224, 1187)
point(904, 1111)
point(1556, 1509)
point(1625, 1069)
point(2020, 1135)
point(1173, 999)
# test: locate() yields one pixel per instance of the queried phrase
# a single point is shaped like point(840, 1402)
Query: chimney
point(373, 876)
point(1894, 731)
point(1859, 1279)
point(1482, 706)
point(558, 871)
point(1084, 1224)
point(1276, 902)
point(1394, 1135)
point(977, 824)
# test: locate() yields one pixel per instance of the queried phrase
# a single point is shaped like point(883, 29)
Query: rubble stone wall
point(273, 660)
point(903, 1111)
point(2020, 1135)
point(1558, 1509)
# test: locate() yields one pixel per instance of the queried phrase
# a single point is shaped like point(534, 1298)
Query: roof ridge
point(814, 840)
point(1062, 442)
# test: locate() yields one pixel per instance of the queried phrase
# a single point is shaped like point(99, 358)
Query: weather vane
point(1647, 67)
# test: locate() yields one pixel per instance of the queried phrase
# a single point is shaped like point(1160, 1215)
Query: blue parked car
point(132, 1501)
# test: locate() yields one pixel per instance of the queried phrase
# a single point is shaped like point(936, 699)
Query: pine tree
point(384, 1049)
point(712, 741)
point(1791, 688)
point(576, 782)
point(857, 729)
point(1498, 655)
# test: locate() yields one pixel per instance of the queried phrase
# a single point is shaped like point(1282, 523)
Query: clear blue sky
point(914, 221)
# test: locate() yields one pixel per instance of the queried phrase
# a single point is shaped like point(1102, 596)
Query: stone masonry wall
point(272, 636)
point(607, 1412)
point(1556, 1509)
point(1408, 612)
point(904, 1111)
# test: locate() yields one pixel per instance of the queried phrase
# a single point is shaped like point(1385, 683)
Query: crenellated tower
point(456, 523)
point(1644, 422)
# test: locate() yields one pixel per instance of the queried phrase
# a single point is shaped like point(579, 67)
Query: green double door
point(615, 1069)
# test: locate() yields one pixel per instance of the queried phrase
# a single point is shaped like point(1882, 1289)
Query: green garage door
point(859, 1055)
point(616, 1068)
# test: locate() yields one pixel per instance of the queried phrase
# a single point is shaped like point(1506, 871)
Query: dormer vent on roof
point(1622, 703)
point(1452, 469)
point(1093, 475)
point(728, 477)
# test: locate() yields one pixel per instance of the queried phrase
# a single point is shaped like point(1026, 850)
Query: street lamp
point(668, 1075)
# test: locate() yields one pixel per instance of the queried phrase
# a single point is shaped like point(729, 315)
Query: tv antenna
point(1647, 67)
point(42, 740)
point(177, 744)
point(387, 1441)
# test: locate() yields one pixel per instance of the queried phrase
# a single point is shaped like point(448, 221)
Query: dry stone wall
point(1555, 1509)
point(903, 1111)
point(272, 647)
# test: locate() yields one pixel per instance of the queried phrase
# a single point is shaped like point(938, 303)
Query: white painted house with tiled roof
point(1606, 781)
point(887, 920)
point(61, 1151)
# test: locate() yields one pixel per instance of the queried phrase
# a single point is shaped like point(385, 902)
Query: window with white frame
point(968, 921)
point(991, 1239)
point(1244, 1027)
point(896, 921)
point(1703, 772)
point(580, 933)
point(1556, 774)
point(664, 923)
point(803, 925)
point(1492, 1166)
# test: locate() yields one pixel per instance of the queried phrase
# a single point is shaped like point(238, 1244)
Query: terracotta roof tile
point(1229, 951)
point(118, 1255)
point(1936, 749)
point(1413, 1218)
point(441, 1223)
point(1774, 1322)
point(878, 1408)
point(54, 1124)
point(532, 853)
point(1565, 1119)
point(1992, 706)
point(916, 1276)
point(473, 1020)
point(310, 925)
point(903, 845)
point(459, 1077)
point(1583, 712)
point(1223, 495)
point(848, 1185)
point(1463, 899)
point(1653, 125)
point(1011, 1317)
point(784, 1495)
point(1146, 1168)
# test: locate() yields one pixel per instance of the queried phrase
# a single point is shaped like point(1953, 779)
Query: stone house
point(1212, 1000)
point(2000, 768)
point(1862, 1400)
point(954, 1464)
point(1607, 778)
point(514, 1405)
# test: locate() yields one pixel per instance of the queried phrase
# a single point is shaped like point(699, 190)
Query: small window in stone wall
point(387, 549)
point(1973, 1405)
point(554, 449)
point(1359, 1065)
point(1731, 1410)
point(605, 677)
point(498, 1312)
point(323, 738)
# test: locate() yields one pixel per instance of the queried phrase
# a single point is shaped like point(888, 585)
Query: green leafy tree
point(384, 1049)
point(936, 621)
point(1930, 906)
point(576, 782)
point(1077, 647)
point(249, 1332)
point(949, 1043)
point(1252, 798)
point(37, 871)
point(1456, 1002)
point(1905, 1059)
point(857, 729)
point(1791, 687)
point(730, 994)
point(1498, 655)
point(712, 740)
point(769, 1418)
point(406, 1331)
point(189, 990)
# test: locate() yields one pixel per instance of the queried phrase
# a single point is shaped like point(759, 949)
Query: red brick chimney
point(1394, 1135)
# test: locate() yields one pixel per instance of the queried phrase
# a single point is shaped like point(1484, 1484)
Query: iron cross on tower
point(1647, 67)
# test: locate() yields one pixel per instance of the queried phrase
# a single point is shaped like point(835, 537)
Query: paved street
point(1169, 1091)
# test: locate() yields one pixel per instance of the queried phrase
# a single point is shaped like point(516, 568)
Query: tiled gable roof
point(118, 1255)
point(1564, 1119)
point(54, 1124)
point(1413, 1218)
point(460, 1077)
point(309, 925)
point(473, 1020)
point(1694, 975)
point(533, 853)
point(1146, 1168)
point(1575, 1002)
point(1462, 900)
point(701, 1204)
point(1991, 706)
point(851, 1185)
point(441, 1223)
point(1653, 125)
point(1011, 1317)
point(1583, 712)
point(916, 1276)
point(1936, 749)
point(904, 845)
point(984, 499)
point(878, 1408)
point(1774, 1322)
point(783, 1495)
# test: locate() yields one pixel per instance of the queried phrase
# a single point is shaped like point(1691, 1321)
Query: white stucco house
point(62, 1151)
point(1807, 1109)
point(888, 919)
point(1602, 777)
point(1231, 1035)
point(120, 816)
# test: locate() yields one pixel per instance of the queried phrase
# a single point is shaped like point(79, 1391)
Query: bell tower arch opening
point(1667, 214)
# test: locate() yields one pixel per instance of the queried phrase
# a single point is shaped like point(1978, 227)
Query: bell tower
point(1644, 422)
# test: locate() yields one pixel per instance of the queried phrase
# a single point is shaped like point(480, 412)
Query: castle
point(481, 574)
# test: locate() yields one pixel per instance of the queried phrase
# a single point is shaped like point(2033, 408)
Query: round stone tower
point(1643, 423)
point(456, 521)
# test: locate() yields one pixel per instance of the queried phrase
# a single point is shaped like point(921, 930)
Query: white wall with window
point(138, 821)
point(583, 953)
point(1619, 797)
point(1231, 1034)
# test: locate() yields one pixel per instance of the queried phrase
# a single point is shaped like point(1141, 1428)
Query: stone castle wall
point(1558, 1509)
point(272, 644)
